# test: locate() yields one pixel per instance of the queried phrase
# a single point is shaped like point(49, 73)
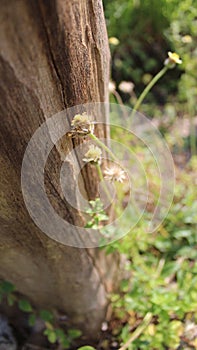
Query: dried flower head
point(93, 155)
point(173, 59)
point(81, 125)
point(114, 173)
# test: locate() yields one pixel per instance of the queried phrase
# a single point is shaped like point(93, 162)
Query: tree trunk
point(54, 55)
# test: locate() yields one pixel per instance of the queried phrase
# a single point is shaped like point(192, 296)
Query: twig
point(146, 321)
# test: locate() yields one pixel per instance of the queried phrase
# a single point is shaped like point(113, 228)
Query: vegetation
point(156, 305)
point(51, 330)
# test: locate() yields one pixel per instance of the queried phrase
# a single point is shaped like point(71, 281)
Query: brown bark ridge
point(54, 55)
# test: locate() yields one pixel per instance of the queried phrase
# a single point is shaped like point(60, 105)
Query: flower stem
point(100, 174)
point(148, 88)
point(118, 98)
point(101, 144)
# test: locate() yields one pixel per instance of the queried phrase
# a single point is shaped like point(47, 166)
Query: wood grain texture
point(54, 54)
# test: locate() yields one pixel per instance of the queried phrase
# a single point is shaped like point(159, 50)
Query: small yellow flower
point(114, 41)
point(93, 155)
point(115, 173)
point(173, 59)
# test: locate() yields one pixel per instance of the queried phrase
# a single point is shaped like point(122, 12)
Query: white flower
point(114, 173)
point(112, 86)
point(93, 155)
point(126, 86)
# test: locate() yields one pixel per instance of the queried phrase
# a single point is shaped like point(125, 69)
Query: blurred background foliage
point(146, 30)
point(160, 269)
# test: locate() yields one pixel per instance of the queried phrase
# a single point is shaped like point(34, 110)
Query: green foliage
point(24, 305)
point(6, 287)
point(46, 316)
point(146, 32)
point(182, 34)
point(141, 29)
point(163, 274)
point(32, 320)
point(51, 335)
point(6, 290)
point(97, 214)
point(52, 332)
point(58, 335)
point(86, 347)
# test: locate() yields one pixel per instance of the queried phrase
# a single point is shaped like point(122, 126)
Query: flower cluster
point(113, 173)
point(172, 60)
point(81, 125)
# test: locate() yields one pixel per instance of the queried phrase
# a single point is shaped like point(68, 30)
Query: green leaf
point(86, 347)
point(65, 343)
point(32, 320)
point(182, 234)
point(102, 217)
point(11, 299)
point(74, 333)
point(7, 287)
point(24, 305)
point(52, 337)
point(49, 326)
point(89, 224)
point(46, 315)
point(60, 333)
point(63, 338)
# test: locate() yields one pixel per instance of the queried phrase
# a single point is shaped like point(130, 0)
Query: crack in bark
point(52, 56)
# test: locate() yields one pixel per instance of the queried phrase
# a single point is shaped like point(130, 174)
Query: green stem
point(138, 331)
point(100, 174)
point(101, 144)
point(148, 88)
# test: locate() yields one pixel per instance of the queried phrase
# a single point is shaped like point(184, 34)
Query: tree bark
point(54, 55)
